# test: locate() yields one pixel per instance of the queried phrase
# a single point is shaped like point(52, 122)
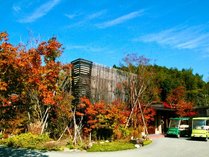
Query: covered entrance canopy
point(162, 116)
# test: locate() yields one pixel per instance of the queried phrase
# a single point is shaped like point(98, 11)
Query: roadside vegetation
point(44, 142)
point(111, 146)
point(27, 140)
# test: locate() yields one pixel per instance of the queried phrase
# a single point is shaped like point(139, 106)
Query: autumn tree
point(31, 82)
point(185, 109)
point(104, 120)
point(177, 101)
point(176, 95)
point(140, 88)
point(10, 86)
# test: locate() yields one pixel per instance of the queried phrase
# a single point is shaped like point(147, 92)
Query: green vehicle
point(200, 127)
point(179, 127)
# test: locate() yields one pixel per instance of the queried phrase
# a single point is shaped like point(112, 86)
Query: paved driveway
point(162, 147)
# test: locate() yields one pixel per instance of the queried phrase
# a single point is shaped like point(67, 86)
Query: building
point(98, 82)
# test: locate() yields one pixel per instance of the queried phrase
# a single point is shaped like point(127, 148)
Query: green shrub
point(146, 142)
point(26, 140)
point(79, 145)
point(52, 146)
point(111, 146)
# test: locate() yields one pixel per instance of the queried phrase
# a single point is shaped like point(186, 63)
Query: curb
point(156, 136)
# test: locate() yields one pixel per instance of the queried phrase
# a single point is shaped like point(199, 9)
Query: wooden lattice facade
point(81, 79)
point(96, 82)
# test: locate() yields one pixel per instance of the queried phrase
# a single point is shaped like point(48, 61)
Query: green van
point(179, 127)
point(200, 127)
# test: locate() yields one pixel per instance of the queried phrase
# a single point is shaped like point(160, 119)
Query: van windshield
point(174, 123)
point(198, 124)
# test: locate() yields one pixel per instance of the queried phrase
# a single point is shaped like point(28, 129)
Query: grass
point(115, 146)
point(111, 146)
point(146, 142)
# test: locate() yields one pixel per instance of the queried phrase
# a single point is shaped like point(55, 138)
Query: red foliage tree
point(176, 100)
point(102, 116)
point(185, 109)
point(176, 95)
point(29, 85)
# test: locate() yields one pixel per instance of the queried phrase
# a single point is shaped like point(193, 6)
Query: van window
point(198, 124)
point(207, 125)
point(207, 122)
point(184, 122)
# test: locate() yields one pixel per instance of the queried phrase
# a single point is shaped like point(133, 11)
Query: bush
point(141, 141)
point(53, 146)
point(26, 140)
point(110, 146)
point(146, 142)
point(79, 145)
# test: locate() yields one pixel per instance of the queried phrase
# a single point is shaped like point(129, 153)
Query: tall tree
point(141, 89)
point(30, 80)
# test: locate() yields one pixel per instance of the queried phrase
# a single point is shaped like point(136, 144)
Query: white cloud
point(40, 11)
point(121, 19)
point(88, 48)
point(95, 15)
point(86, 19)
point(71, 16)
point(16, 8)
point(194, 37)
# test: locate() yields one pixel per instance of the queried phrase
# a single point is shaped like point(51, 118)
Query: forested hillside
point(172, 82)
point(168, 80)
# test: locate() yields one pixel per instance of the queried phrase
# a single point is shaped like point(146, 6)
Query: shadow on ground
point(197, 139)
point(10, 152)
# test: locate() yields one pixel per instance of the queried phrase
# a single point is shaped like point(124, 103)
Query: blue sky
point(172, 33)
